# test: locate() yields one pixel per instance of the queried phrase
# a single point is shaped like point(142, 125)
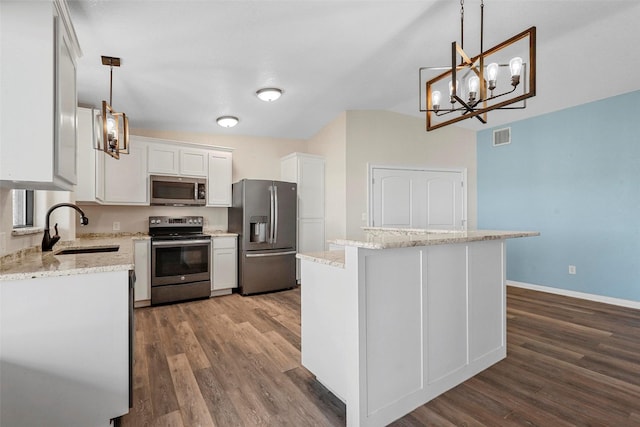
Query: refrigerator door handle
point(277, 208)
point(270, 254)
point(271, 211)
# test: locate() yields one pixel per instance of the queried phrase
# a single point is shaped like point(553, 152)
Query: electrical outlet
point(572, 269)
point(116, 225)
point(364, 216)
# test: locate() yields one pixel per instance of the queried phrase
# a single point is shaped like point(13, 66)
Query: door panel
point(266, 271)
point(285, 232)
point(395, 201)
point(444, 202)
point(257, 211)
point(411, 198)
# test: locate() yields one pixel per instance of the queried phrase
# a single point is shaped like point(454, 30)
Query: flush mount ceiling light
point(227, 121)
point(115, 126)
point(269, 94)
point(487, 87)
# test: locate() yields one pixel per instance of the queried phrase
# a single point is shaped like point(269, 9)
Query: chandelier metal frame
point(483, 99)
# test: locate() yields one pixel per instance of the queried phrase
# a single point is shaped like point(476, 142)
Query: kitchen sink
point(87, 250)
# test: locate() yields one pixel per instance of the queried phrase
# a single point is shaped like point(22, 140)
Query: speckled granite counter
point(32, 263)
point(388, 238)
point(218, 233)
point(334, 258)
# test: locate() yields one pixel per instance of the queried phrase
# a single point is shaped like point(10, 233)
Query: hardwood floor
point(235, 361)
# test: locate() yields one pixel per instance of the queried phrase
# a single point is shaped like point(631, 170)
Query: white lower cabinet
point(142, 261)
point(65, 349)
point(224, 269)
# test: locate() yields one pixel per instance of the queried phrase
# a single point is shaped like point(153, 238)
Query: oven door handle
point(181, 242)
point(267, 254)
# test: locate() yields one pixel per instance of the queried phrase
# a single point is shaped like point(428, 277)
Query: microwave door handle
point(277, 208)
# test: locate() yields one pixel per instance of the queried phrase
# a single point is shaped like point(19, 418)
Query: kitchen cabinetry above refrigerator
point(38, 102)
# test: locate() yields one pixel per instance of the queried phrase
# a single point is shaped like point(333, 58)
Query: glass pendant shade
point(515, 65)
point(492, 71)
point(435, 99)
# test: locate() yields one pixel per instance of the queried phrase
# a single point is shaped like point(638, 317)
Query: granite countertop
point(334, 258)
point(388, 238)
point(33, 263)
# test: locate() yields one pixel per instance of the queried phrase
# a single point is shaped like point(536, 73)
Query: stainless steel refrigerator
point(264, 215)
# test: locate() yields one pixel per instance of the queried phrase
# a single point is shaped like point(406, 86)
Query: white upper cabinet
point(164, 159)
point(307, 170)
point(167, 158)
point(220, 176)
point(103, 179)
point(108, 181)
point(38, 102)
point(86, 187)
point(125, 180)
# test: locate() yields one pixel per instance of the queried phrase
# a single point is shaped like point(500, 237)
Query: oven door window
point(172, 264)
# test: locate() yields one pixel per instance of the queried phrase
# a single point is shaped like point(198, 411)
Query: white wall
point(386, 138)
point(331, 143)
point(43, 200)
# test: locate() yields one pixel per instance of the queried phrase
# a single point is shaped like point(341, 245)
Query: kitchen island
point(65, 334)
point(398, 318)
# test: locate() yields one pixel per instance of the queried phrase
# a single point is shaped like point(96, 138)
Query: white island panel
point(394, 340)
point(446, 307)
point(405, 317)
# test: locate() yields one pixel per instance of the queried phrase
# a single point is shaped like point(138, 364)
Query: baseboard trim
point(582, 295)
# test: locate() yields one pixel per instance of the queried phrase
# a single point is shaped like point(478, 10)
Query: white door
point(414, 198)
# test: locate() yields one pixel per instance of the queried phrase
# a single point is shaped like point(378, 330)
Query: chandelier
point(115, 126)
point(496, 79)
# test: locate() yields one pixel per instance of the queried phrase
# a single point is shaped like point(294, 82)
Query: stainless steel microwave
point(178, 190)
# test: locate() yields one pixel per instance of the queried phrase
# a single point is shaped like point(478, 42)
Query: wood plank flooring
point(235, 361)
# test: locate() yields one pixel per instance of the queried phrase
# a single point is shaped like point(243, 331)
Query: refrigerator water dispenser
point(258, 231)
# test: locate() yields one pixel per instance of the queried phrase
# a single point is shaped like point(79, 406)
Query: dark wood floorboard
point(235, 361)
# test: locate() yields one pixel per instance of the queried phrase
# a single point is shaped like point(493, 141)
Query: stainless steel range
point(180, 259)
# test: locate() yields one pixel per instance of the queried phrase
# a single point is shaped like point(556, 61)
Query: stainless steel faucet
point(47, 240)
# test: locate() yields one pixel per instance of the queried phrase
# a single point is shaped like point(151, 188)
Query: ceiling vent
point(501, 137)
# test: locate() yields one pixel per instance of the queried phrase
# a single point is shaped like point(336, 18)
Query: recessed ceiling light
point(227, 121)
point(269, 94)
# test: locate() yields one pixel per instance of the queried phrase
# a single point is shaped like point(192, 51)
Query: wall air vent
point(501, 137)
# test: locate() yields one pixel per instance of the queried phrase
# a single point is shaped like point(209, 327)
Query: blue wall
point(573, 175)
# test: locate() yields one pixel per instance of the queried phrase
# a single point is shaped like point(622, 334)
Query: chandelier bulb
point(515, 65)
point(451, 91)
point(435, 100)
point(492, 74)
point(474, 84)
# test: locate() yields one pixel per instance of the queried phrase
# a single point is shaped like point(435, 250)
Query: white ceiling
point(186, 62)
